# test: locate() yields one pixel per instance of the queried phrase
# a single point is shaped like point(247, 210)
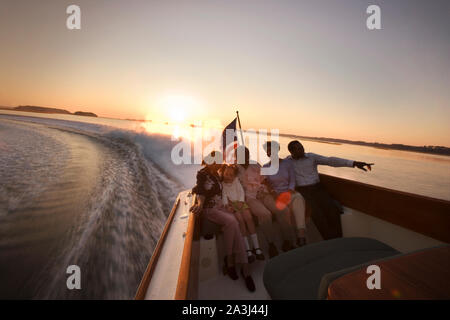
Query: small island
point(85, 114)
point(52, 110)
point(40, 109)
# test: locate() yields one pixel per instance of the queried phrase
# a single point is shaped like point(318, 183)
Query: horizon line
point(296, 135)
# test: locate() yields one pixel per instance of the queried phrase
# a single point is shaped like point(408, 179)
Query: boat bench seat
point(297, 274)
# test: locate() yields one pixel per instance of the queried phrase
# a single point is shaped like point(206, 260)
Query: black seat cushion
point(297, 274)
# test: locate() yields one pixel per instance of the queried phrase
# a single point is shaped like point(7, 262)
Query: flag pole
point(240, 128)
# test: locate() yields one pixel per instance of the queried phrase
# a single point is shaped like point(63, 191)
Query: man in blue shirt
point(283, 196)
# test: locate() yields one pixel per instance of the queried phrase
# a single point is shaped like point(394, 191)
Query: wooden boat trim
point(143, 286)
point(185, 266)
point(425, 215)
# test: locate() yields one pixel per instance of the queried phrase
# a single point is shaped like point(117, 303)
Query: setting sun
point(177, 106)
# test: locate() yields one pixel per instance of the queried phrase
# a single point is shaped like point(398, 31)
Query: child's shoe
point(259, 254)
point(250, 256)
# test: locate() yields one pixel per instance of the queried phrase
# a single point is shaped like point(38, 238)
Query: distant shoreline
point(436, 150)
point(49, 110)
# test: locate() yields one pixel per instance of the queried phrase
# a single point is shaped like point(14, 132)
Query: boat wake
point(109, 201)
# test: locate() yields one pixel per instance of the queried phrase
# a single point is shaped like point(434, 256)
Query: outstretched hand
point(361, 165)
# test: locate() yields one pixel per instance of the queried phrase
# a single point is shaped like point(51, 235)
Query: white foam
point(155, 147)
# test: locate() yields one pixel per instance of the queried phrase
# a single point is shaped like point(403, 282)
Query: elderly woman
point(209, 201)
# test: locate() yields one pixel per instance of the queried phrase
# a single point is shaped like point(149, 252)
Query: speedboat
point(380, 227)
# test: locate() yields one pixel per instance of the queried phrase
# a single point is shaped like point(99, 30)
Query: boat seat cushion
point(297, 274)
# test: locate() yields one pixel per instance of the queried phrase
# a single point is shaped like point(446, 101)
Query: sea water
point(96, 192)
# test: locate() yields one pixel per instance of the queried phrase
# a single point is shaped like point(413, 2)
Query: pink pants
point(234, 243)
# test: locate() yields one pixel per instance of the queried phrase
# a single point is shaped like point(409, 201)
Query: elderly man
point(325, 212)
point(284, 198)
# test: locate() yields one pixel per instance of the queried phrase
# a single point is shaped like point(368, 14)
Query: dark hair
point(292, 143)
point(271, 144)
point(224, 167)
point(212, 155)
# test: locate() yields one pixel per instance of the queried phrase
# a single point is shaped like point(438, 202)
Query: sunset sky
point(304, 67)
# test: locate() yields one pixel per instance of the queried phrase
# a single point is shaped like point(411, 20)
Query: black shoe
point(273, 251)
point(231, 271)
point(259, 256)
point(301, 241)
point(248, 282)
point(250, 256)
point(287, 246)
